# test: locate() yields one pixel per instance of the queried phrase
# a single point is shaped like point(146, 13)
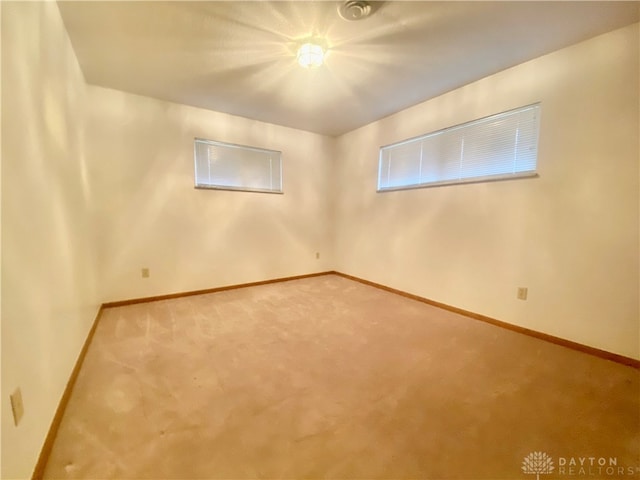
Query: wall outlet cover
point(522, 293)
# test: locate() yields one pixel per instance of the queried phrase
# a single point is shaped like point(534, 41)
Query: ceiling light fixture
point(310, 55)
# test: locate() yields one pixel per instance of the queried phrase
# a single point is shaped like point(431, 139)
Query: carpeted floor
point(327, 378)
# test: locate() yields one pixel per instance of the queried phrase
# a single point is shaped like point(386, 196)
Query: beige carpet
point(328, 378)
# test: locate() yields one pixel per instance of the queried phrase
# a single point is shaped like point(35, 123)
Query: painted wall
point(570, 236)
point(49, 295)
point(152, 217)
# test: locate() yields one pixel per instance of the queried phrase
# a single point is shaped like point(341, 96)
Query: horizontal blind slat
point(499, 145)
point(237, 167)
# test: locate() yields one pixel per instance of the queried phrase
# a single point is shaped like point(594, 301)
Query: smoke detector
point(354, 10)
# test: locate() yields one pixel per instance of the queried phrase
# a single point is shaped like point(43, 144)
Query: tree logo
point(538, 463)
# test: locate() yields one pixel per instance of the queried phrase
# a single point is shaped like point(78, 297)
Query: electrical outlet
point(522, 293)
point(16, 406)
point(317, 255)
point(145, 273)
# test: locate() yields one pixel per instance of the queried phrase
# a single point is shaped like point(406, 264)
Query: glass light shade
point(310, 55)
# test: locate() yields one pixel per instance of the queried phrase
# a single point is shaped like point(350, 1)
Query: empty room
point(328, 239)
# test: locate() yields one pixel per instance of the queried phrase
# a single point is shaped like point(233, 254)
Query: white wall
point(570, 236)
point(48, 270)
point(190, 239)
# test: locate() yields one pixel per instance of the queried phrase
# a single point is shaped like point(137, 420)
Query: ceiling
point(239, 57)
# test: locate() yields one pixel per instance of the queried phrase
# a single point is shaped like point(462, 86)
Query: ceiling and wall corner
point(240, 57)
point(570, 235)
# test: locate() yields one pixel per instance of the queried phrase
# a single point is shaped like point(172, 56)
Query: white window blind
point(497, 147)
point(236, 167)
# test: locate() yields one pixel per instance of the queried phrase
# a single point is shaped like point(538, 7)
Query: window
point(501, 146)
point(236, 167)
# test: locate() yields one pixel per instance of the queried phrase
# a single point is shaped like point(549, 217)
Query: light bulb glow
point(310, 55)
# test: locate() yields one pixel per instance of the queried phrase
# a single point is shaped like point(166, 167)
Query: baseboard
point(614, 357)
point(41, 464)
point(170, 296)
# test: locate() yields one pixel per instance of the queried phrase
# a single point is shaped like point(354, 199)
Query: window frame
point(475, 179)
point(202, 186)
